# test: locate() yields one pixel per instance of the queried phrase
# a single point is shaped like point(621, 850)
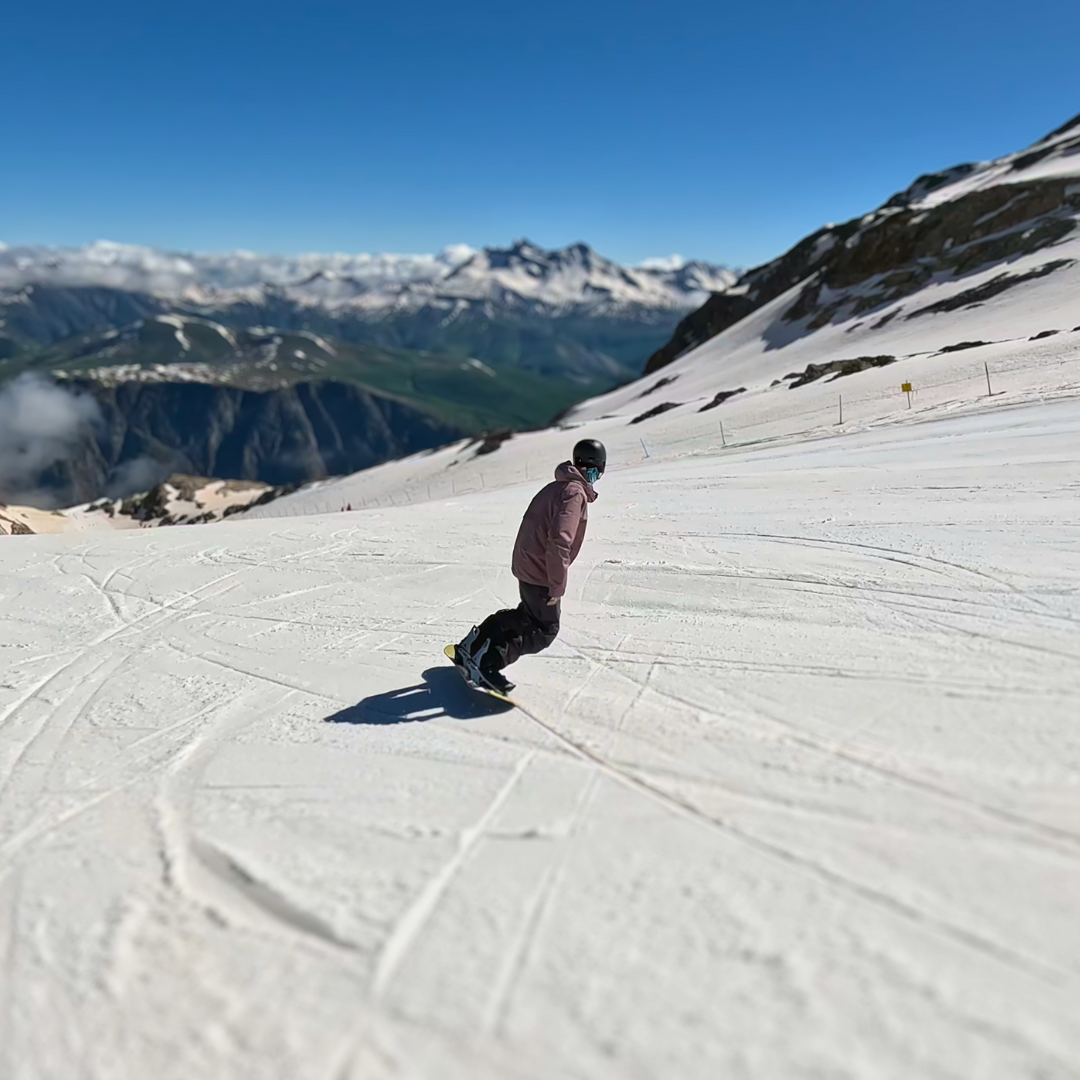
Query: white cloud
point(165, 273)
point(139, 475)
point(663, 262)
point(456, 254)
point(40, 423)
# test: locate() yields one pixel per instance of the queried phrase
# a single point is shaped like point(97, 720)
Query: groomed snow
point(795, 794)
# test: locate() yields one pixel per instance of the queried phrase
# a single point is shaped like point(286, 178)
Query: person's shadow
point(443, 693)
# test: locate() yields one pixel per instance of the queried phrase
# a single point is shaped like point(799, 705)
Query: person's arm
point(564, 529)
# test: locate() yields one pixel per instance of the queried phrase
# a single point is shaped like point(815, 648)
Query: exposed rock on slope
point(10, 525)
point(179, 500)
point(837, 369)
point(944, 227)
point(187, 500)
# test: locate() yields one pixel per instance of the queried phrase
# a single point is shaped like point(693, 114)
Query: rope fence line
point(975, 378)
point(817, 419)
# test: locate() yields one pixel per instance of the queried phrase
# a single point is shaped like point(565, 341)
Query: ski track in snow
point(797, 793)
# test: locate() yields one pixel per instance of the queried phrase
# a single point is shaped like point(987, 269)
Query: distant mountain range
point(567, 314)
point(437, 346)
point(574, 276)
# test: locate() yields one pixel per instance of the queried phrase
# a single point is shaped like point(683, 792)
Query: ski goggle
point(592, 474)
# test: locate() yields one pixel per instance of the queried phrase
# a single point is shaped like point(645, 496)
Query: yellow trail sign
point(905, 388)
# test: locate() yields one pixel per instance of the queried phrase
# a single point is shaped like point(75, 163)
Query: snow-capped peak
point(577, 274)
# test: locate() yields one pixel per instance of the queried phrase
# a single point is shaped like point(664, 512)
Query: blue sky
point(720, 131)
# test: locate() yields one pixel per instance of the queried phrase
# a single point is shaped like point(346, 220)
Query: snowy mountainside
point(976, 320)
point(577, 275)
point(1001, 231)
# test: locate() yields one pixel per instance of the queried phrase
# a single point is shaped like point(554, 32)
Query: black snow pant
point(529, 628)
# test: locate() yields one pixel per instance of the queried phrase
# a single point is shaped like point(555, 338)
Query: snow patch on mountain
point(1054, 157)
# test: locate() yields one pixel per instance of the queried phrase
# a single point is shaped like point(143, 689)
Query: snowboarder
point(547, 543)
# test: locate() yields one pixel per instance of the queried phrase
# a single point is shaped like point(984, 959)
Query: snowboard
point(451, 654)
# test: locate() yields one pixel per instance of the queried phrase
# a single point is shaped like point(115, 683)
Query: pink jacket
point(552, 530)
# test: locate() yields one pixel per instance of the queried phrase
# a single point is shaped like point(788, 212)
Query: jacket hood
point(569, 471)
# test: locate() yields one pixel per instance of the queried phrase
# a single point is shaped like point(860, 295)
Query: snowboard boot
point(463, 655)
point(488, 661)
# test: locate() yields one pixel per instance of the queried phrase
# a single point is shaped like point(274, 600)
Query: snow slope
point(795, 794)
point(763, 348)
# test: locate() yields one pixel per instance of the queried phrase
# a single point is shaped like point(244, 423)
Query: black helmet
point(590, 454)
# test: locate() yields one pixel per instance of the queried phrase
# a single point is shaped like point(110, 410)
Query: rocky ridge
point(185, 500)
point(944, 227)
point(177, 500)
